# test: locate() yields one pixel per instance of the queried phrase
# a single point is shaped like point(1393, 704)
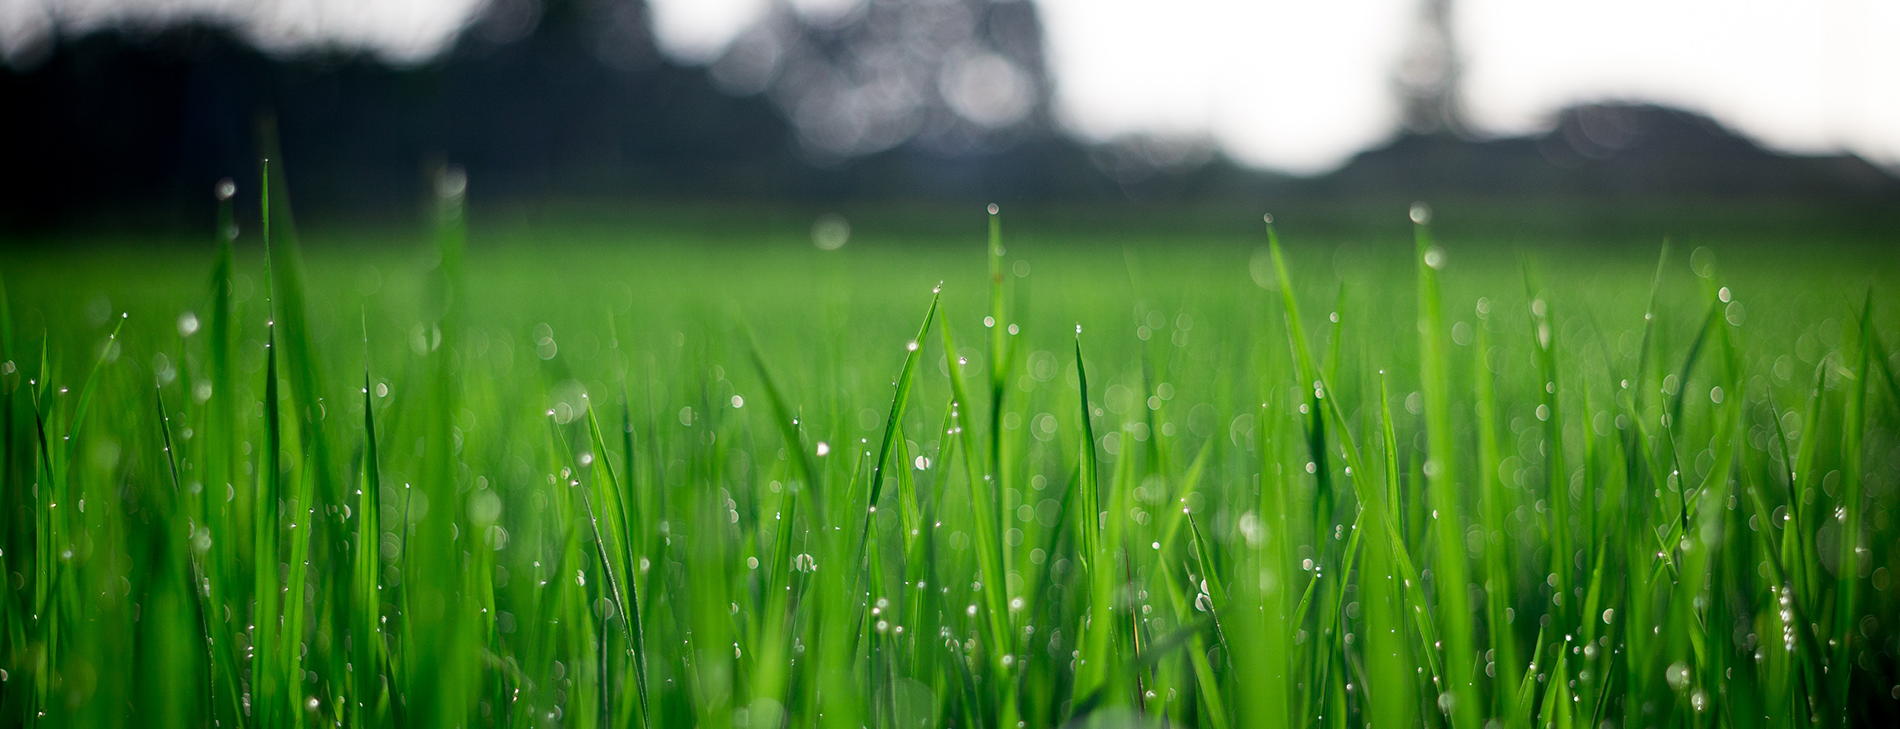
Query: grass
point(1281, 484)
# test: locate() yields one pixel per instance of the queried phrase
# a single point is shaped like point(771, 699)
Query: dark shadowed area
point(570, 101)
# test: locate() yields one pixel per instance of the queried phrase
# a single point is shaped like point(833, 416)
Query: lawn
point(586, 474)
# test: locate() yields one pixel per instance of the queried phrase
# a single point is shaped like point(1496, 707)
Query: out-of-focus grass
point(512, 474)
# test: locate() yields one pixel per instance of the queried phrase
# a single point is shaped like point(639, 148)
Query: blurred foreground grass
point(577, 476)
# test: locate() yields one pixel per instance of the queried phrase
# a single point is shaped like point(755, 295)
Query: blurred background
point(123, 113)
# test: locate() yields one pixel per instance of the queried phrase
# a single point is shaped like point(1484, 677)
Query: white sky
point(403, 31)
point(1799, 76)
point(1301, 85)
point(1296, 85)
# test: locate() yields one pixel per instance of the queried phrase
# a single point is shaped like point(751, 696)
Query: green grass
point(583, 477)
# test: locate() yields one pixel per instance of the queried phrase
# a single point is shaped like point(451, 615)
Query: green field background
point(632, 470)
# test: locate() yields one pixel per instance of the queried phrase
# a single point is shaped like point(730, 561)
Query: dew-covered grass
point(576, 477)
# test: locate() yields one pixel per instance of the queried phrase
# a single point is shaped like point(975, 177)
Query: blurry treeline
point(570, 100)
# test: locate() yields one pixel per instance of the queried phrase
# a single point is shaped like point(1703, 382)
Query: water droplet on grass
point(830, 232)
point(452, 184)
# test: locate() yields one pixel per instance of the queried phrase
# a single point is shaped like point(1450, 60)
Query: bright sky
point(1296, 85)
point(1300, 85)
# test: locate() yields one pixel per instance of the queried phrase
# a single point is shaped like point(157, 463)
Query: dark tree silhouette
point(569, 100)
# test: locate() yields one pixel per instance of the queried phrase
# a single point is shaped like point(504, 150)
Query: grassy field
point(585, 477)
